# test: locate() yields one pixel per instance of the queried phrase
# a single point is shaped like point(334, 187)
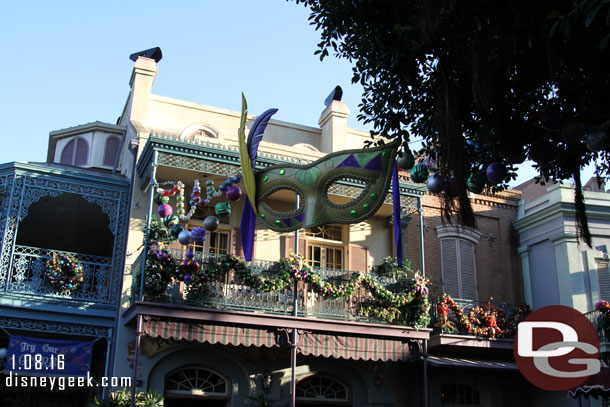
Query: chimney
point(333, 123)
point(142, 80)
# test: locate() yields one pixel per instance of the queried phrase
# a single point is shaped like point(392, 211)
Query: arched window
point(306, 146)
point(458, 260)
point(198, 133)
point(321, 390)
point(111, 150)
point(459, 395)
point(76, 152)
point(196, 382)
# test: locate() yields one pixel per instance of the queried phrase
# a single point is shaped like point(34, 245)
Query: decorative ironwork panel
point(21, 271)
point(29, 275)
point(199, 165)
point(54, 327)
point(11, 214)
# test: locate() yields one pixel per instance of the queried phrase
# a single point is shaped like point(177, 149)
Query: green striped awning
point(324, 344)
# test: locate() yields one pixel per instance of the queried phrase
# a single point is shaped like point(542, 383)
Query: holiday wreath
point(64, 273)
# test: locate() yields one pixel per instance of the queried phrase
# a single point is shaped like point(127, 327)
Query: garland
point(410, 307)
point(64, 273)
point(483, 321)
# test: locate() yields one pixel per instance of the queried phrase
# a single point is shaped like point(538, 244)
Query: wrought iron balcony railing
point(231, 293)
point(601, 322)
point(28, 274)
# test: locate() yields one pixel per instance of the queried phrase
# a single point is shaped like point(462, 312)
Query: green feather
point(244, 157)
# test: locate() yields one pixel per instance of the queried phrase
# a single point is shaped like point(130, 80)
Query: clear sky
point(65, 63)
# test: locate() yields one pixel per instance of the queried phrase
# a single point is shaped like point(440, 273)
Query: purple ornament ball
point(496, 172)
point(234, 193)
point(198, 234)
point(165, 210)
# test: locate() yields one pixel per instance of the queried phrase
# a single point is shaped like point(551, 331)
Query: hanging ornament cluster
point(211, 223)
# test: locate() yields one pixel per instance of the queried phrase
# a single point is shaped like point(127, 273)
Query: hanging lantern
point(596, 139)
point(234, 193)
point(496, 172)
point(419, 173)
point(476, 182)
point(198, 234)
point(406, 159)
point(211, 223)
point(222, 209)
point(165, 210)
point(184, 237)
point(435, 184)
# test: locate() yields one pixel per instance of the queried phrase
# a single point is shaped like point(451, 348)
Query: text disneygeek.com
point(14, 380)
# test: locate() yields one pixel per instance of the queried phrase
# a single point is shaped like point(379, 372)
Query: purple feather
point(246, 229)
point(256, 133)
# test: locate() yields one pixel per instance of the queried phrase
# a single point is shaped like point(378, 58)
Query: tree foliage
point(480, 81)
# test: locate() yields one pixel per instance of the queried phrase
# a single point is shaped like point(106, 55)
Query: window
point(459, 395)
point(196, 382)
point(323, 390)
point(218, 242)
point(76, 152)
point(325, 248)
point(458, 260)
point(112, 148)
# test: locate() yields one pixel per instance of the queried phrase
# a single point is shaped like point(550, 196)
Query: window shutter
point(67, 154)
point(358, 256)
point(449, 261)
point(112, 147)
point(467, 270)
point(603, 277)
point(82, 152)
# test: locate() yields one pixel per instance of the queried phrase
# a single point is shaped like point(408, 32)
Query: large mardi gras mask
point(312, 183)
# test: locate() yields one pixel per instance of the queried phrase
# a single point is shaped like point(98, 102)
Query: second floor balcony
point(282, 288)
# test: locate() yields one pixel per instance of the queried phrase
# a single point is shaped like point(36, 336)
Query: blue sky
point(66, 63)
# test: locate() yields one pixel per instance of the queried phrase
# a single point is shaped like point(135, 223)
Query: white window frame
point(329, 244)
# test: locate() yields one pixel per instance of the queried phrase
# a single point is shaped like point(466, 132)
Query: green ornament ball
point(222, 209)
point(419, 173)
point(476, 182)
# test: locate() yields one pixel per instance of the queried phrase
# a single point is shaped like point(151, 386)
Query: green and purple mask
point(313, 183)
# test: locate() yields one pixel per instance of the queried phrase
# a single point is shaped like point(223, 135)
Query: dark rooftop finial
point(153, 53)
point(336, 94)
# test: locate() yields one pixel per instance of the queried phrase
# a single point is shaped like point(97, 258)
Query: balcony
point(463, 322)
point(601, 322)
point(29, 274)
point(371, 300)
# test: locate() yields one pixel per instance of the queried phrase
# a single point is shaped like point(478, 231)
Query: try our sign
point(48, 356)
